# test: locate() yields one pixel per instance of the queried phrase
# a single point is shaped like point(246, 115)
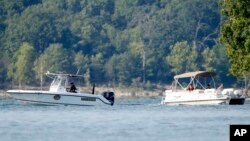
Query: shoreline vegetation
point(113, 41)
point(3, 93)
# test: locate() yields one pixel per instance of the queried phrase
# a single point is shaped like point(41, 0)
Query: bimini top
point(196, 74)
point(62, 74)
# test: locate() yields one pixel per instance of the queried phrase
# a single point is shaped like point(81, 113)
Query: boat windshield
point(56, 81)
point(61, 81)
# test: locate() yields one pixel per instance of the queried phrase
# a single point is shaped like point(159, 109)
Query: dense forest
point(115, 42)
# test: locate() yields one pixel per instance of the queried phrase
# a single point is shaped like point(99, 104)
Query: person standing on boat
point(72, 88)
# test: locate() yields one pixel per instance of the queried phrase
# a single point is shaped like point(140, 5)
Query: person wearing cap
point(72, 88)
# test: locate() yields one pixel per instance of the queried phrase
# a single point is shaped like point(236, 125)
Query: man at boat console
point(72, 88)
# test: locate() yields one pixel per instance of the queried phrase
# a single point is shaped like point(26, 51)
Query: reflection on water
point(129, 119)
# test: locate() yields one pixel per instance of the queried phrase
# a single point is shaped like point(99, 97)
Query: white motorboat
point(59, 94)
point(194, 88)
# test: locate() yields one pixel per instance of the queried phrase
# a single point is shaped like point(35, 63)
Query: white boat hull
point(197, 102)
point(196, 97)
point(56, 98)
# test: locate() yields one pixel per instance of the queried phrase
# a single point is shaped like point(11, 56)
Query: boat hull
point(197, 102)
point(53, 98)
point(196, 97)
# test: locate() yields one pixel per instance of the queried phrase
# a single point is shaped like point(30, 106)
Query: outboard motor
point(110, 96)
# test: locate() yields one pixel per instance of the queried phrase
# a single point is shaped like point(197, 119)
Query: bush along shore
point(3, 93)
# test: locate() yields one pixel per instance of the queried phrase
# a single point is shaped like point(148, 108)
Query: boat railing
point(210, 91)
point(195, 91)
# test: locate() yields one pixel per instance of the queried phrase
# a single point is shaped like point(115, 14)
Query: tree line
point(116, 42)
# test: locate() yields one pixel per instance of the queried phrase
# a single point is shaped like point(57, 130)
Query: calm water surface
point(138, 119)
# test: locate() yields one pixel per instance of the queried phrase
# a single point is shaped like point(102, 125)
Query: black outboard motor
point(110, 96)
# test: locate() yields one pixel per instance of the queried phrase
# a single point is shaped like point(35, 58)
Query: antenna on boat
point(93, 89)
point(78, 71)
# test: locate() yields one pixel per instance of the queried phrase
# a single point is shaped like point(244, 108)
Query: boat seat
point(209, 91)
point(227, 91)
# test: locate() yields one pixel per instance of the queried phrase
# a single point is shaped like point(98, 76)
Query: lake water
point(137, 119)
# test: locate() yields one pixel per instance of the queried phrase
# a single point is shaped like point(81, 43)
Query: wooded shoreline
point(112, 41)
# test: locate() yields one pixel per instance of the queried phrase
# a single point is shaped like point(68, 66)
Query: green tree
point(81, 62)
point(111, 69)
point(144, 28)
point(22, 67)
point(122, 68)
point(41, 24)
point(182, 58)
point(97, 73)
point(55, 59)
point(3, 73)
point(87, 77)
point(209, 59)
point(40, 68)
point(215, 59)
point(235, 34)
